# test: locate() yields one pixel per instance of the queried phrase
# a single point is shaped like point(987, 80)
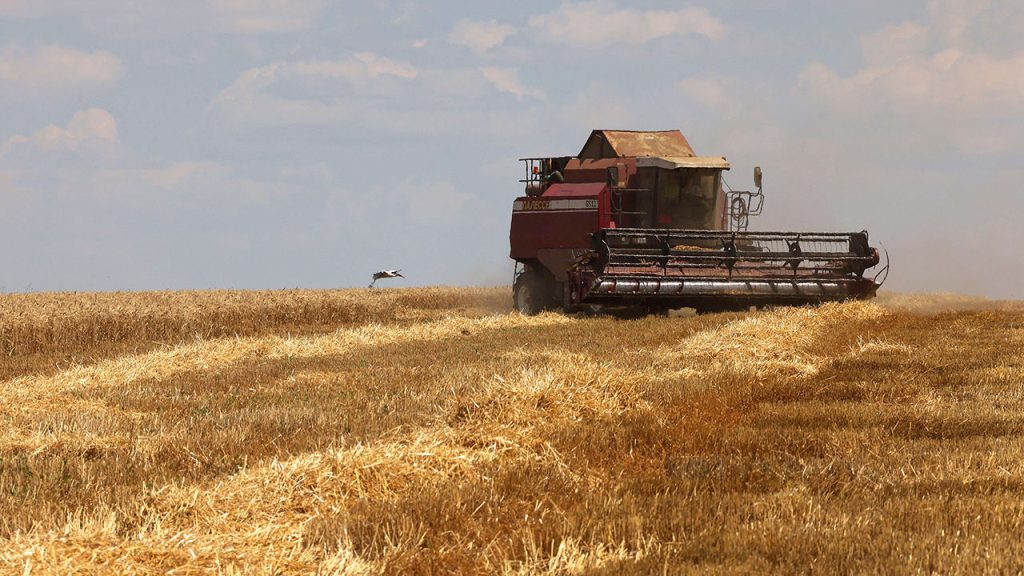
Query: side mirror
point(757, 176)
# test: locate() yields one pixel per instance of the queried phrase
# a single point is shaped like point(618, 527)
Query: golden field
point(432, 431)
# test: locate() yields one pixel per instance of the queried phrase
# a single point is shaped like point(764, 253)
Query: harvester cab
point(636, 221)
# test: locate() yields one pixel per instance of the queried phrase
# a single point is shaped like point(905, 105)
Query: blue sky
point(275, 143)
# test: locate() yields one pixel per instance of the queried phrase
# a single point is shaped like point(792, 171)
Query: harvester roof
point(636, 144)
point(660, 149)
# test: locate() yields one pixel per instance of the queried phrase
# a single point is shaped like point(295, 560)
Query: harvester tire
point(532, 293)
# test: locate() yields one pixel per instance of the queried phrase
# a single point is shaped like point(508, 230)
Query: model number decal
point(556, 205)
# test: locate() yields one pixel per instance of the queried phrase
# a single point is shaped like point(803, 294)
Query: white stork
point(386, 274)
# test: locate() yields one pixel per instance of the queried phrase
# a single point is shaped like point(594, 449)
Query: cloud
point(57, 67)
point(480, 36)
point(86, 127)
point(357, 68)
point(950, 80)
point(21, 8)
point(375, 95)
point(895, 42)
point(184, 173)
point(952, 18)
point(254, 88)
point(600, 23)
point(266, 16)
point(507, 80)
point(926, 87)
point(710, 92)
point(600, 106)
point(380, 66)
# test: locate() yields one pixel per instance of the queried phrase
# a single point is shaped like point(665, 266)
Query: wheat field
point(432, 431)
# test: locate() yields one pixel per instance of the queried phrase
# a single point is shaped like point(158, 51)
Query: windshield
point(688, 198)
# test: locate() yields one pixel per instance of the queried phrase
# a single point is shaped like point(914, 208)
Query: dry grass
point(419, 434)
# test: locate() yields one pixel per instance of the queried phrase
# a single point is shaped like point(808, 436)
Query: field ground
point(432, 431)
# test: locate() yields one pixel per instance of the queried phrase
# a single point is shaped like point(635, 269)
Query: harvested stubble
point(847, 438)
point(46, 330)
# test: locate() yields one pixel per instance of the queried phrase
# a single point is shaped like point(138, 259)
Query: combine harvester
point(637, 223)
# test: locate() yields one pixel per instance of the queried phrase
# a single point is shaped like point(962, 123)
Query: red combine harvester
point(638, 223)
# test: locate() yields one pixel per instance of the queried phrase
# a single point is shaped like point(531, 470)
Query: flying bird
point(386, 274)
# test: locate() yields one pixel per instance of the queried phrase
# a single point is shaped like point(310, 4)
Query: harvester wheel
point(531, 293)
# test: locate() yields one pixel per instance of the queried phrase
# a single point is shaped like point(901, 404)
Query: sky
point(305, 143)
